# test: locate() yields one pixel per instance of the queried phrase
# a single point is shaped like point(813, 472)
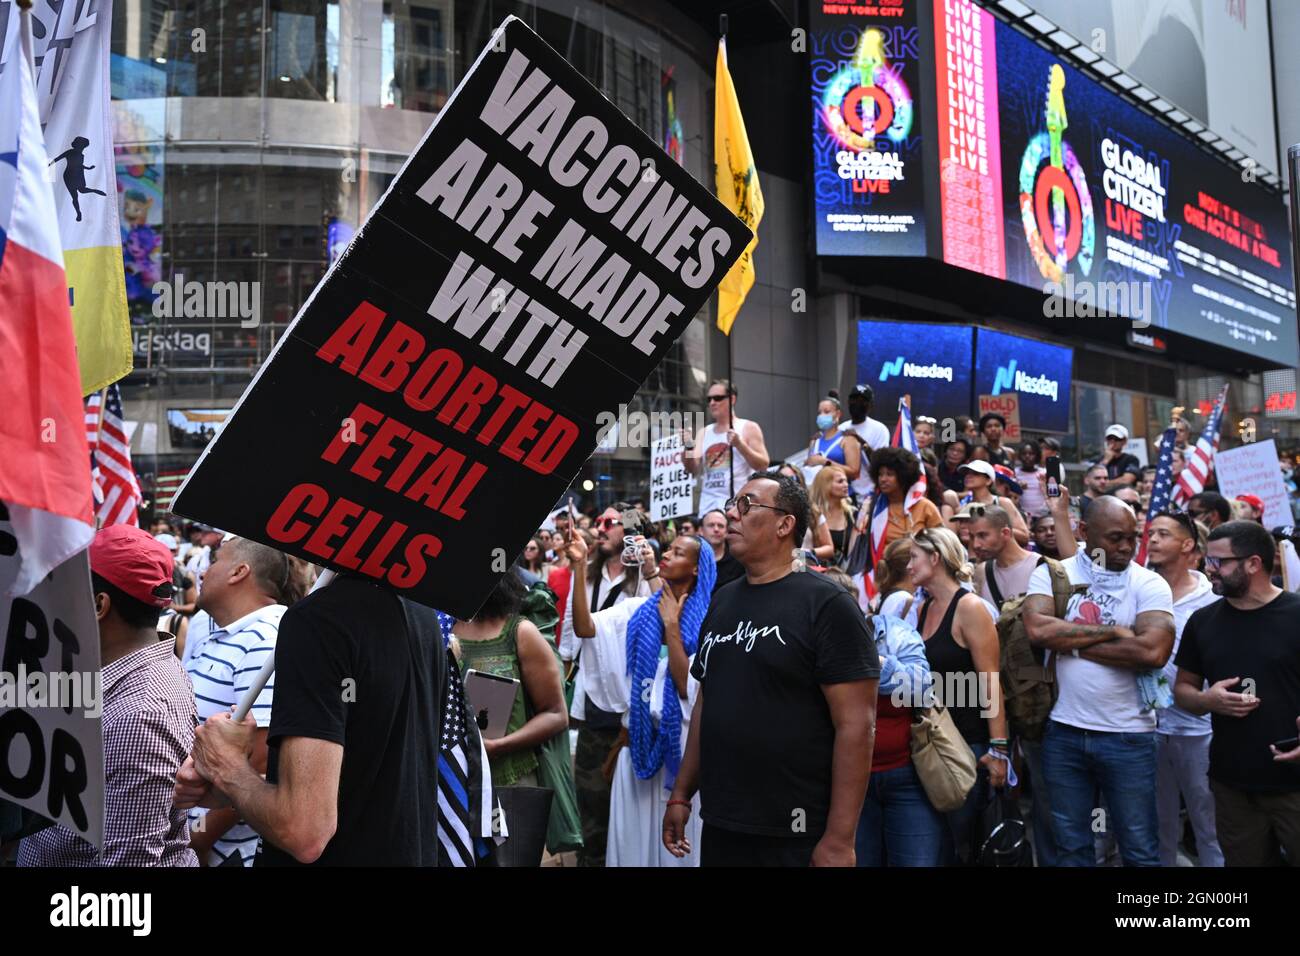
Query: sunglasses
point(717, 398)
point(1182, 517)
point(1212, 562)
point(742, 504)
point(604, 524)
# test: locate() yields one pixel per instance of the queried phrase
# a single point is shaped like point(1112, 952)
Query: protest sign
point(672, 487)
point(51, 749)
point(1253, 470)
point(1006, 404)
point(529, 266)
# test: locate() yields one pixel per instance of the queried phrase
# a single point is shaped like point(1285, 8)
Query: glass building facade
point(253, 137)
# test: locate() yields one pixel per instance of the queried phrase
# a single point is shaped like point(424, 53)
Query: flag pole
point(731, 410)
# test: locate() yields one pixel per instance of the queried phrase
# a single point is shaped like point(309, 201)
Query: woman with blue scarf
point(663, 632)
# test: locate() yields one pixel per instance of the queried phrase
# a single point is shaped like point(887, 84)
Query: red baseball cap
point(132, 560)
point(1254, 501)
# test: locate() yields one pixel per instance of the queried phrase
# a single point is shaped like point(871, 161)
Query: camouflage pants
point(593, 792)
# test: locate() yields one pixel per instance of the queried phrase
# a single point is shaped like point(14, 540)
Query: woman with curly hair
point(894, 471)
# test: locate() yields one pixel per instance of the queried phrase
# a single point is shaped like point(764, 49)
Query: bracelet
point(651, 577)
point(996, 741)
point(680, 803)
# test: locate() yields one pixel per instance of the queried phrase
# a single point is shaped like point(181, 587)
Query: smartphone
point(1053, 476)
point(1287, 745)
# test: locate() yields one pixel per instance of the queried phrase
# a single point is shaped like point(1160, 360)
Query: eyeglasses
point(604, 524)
point(742, 504)
point(717, 398)
point(1212, 562)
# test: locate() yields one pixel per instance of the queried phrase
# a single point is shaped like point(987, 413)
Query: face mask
point(825, 421)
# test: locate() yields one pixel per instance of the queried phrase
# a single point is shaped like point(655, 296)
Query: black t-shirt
point(767, 738)
point(1000, 456)
point(1124, 464)
point(346, 671)
point(1220, 641)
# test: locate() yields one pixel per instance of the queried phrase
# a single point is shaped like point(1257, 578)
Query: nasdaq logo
point(889, 369)
point(910, 370)
point(1009, 378)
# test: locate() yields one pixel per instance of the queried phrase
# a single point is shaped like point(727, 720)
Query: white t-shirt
point(602, 660)
point(1096, 696)
point(874, 435)
point(716, 481)
point(1174, 720)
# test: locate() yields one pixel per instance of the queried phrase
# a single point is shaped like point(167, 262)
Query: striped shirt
point(148, 727)
point(222, 664)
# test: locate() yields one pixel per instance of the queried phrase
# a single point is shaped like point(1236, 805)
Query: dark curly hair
point(898, 460)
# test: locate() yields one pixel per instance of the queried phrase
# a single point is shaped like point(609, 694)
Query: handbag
point(944, 762)
point(527, 810)
point(1003, 840)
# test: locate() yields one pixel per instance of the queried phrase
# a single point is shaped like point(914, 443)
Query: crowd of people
point(900, 650)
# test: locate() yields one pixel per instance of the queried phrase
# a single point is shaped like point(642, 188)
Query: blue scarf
point(653, 749)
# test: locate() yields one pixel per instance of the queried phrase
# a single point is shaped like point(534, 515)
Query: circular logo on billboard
point(866, 99)
point(1055, 204)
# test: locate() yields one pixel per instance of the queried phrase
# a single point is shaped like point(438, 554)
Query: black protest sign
point(530, 265)
point(51, 701)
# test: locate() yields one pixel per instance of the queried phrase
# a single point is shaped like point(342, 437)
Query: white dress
point(636, 811)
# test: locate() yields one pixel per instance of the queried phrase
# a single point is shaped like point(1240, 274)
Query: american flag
point(462, 768)
point(1200, 460)
point(1163, 488)
point(117, 493)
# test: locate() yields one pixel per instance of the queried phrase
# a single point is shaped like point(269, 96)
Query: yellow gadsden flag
point(737, 188)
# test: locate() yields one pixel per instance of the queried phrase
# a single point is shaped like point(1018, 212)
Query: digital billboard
point(932, 363)
point(1038, 372)
point(1049, 180)
point(867, 166)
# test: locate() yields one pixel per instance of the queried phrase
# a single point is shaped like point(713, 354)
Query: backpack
point(1028, 683)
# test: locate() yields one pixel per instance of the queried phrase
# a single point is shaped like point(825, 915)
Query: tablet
point(490, 700)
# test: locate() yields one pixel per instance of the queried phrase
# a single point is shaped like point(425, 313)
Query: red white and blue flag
point(1162, 489)
point(117, 492)
point(45, 491)
point(1199, 461)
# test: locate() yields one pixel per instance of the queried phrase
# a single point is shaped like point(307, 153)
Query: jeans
point(964, 822)
point(1044, 843)
point(898, 826)
point(1183, 766)
point(1076, 763)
